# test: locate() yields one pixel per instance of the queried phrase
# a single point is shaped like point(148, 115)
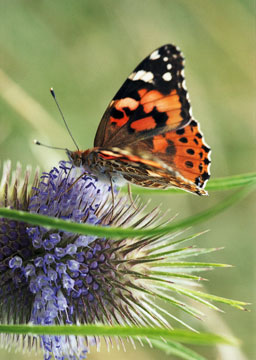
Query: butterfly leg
point(70, 187)
point(79, 177)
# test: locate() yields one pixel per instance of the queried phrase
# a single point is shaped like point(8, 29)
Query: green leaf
point(174, 348)
point(224, 183)
point(117, 233)
point(183, 336)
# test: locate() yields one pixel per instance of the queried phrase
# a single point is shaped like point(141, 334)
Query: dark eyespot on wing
point(183, 140)
point(180, 132)
point(189, 164)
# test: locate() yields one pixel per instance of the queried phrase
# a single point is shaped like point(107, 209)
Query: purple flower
point(57, 277)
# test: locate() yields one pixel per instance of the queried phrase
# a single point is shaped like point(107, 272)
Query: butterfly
point(147, 135)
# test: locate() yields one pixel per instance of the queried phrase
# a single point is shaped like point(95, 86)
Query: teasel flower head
point(57, 277)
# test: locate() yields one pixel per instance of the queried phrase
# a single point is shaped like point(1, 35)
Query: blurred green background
point(85, 50)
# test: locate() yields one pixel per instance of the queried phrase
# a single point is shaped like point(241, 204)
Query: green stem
point(183, 336)
point(117, 233)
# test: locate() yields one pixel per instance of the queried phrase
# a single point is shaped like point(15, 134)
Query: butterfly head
point(78, 158)
point(75, 157)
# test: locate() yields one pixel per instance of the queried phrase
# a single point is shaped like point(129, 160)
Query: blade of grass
point(183, 336)
point(117, 233)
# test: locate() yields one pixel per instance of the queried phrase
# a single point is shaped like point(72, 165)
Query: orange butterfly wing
point(178, 158)
point(185, 151)
point(152, 101)
point(147, 134)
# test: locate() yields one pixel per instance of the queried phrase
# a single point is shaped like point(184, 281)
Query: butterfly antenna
point(36, 142)
point(63, 118)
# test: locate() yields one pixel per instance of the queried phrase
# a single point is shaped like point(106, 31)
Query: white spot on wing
point(131, 76)
point(143, 75)
point(169, 66)
point(184, 85)
point(148, 77)
point(167, 76)
point(155, 55)
point(165, 58)
point(139, 74)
